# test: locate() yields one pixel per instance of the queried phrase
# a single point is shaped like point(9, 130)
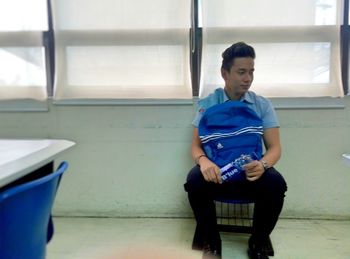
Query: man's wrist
point(265, 164)
point(196, 160)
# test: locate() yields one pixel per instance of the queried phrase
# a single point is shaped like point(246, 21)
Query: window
point(22, 53)
point(130, 49)
point(122, 49)
point(297, 44)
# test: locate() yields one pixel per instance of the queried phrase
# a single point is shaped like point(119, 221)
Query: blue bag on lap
point(229, 131)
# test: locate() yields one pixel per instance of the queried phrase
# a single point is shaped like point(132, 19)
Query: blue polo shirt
point(262, 106)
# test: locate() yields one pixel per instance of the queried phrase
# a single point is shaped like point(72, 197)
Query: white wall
point(133, 160)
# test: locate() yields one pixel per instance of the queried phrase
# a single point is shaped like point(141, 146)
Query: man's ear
point(223, 73)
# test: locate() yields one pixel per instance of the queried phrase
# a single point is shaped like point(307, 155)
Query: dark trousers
point(267, 193)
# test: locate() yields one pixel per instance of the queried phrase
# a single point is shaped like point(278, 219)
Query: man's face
point(240, 77)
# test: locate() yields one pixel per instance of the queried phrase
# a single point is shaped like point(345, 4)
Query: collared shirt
point(262, 106)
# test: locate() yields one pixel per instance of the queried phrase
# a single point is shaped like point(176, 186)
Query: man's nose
point(248, 78)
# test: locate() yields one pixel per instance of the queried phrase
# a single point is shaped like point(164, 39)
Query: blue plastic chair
point(25, 217)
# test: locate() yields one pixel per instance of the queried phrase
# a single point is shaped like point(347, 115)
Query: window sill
point(122, 102)
point(27, 105)
point(308, 103)
point(23, 105)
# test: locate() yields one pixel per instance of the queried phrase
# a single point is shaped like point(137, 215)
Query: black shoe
point(257, 254)
point(267, 247)
point(256, 250)
point(211, 251)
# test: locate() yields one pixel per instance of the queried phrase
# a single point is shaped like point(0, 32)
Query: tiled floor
point(107, 238)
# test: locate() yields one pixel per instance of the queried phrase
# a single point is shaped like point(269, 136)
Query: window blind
point(296, 42)
point(122, 49)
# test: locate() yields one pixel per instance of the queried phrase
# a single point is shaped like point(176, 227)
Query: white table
point(19, 157)
point(346, 159)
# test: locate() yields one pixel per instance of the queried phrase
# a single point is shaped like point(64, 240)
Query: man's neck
point(233, 96)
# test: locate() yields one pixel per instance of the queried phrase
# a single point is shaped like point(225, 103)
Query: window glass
point(126, 14)
point(23, 15)
point(122, 49)
point(269, 13)
point(164, 66)
point(22, 54)
point(297, 44)
point(22, 67)
point(275, 63)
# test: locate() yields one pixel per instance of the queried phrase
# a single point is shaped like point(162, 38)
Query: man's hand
point(254, 170)
point(210, 171)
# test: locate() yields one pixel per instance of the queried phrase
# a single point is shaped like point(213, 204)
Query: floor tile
point(158, 238)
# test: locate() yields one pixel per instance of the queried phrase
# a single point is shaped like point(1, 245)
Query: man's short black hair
point(237, 50)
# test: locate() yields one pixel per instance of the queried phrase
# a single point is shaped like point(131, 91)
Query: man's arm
point(273, 146)
point(210, 171)
point(255, 169)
